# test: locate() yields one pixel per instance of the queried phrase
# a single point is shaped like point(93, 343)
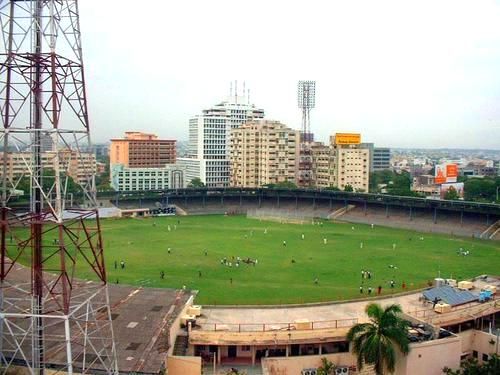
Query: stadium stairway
point(181, 345)
point(341, 211)
point(180, 211)
point(492, 232)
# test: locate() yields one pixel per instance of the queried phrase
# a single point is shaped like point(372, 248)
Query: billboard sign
point(445, 173)
point(347, 138)
point(458, 186)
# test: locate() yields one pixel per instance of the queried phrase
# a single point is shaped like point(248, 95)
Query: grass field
point(143, 245)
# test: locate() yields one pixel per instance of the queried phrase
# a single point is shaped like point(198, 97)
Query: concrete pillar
point(253, 355)
point(386, 210)
point(320, 349)
point(364, 210)
point(241, 200)
point(287, 351)
point(411, 214)
point(260, 201)
point(278, 199)
point(461, 217)
point(434, 218)
point(218, 354)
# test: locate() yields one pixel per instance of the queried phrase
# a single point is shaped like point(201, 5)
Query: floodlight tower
point(306, 101)
point(48, 317)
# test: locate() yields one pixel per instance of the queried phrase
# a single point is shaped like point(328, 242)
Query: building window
point(474, 354)
point(486, 357)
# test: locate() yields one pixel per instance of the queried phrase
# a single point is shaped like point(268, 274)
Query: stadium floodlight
point(306, 94)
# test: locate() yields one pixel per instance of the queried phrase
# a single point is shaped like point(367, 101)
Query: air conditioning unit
point(342, 371)
point(309, 371)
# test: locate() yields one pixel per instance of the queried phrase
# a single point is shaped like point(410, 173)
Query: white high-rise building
point(209, 139)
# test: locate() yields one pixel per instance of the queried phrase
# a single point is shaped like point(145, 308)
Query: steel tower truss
point(306, 101)
point(48, 317)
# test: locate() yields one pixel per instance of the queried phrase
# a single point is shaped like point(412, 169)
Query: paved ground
point(328, 312)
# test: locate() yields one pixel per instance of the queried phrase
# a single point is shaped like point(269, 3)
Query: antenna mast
point(45, 310)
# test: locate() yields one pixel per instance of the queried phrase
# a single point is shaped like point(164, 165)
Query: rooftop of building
point(261, 324)
point(140, 137)
point(141, 318)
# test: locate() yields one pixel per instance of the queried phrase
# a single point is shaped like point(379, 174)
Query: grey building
point(380, 157)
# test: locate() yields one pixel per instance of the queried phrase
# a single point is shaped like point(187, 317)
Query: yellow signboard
point(347, 138)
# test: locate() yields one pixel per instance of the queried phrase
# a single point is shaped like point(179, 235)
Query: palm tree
point(375, 342)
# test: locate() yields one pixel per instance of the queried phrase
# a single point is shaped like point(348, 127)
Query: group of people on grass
point(236, 261)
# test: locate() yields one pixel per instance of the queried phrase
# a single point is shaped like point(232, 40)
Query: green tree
point(375, 342)
point(451, 194)
point(47, 182)
point(481, 189)
point(332, 188)
point(327, 367)
point(380, 177)
point(472, 367)
point(348, 188)
point(196, 183)
point(286, 185)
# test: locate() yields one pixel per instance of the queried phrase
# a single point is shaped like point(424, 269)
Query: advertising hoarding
point(458, 186)
point(347, 138)
point(445, 173)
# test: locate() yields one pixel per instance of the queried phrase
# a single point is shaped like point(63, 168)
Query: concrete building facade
point(263, 152)
point(139, 179)
point(321, 164)
point(142, 150)
point(351, 162)
point(380, 157)
point(79, 166)
point(209, 139)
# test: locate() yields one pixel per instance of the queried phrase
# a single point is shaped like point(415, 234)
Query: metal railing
point(273, 327)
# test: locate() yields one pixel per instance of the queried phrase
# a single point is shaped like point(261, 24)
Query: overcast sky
point(403, 73)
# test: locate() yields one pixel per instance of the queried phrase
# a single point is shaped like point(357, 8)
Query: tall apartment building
point(321, 164)
point(263, 152)
point(142, 150)
point(380, 157)
point(79, 166)
point(141, 161)
point(351, 162)
point(209, 135)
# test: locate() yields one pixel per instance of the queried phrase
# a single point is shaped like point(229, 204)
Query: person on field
point(162, 275)
point(379, 290)
point(361, 289)
point(284, 243)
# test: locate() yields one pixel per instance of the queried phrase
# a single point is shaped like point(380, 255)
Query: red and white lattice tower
point(48, 317)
